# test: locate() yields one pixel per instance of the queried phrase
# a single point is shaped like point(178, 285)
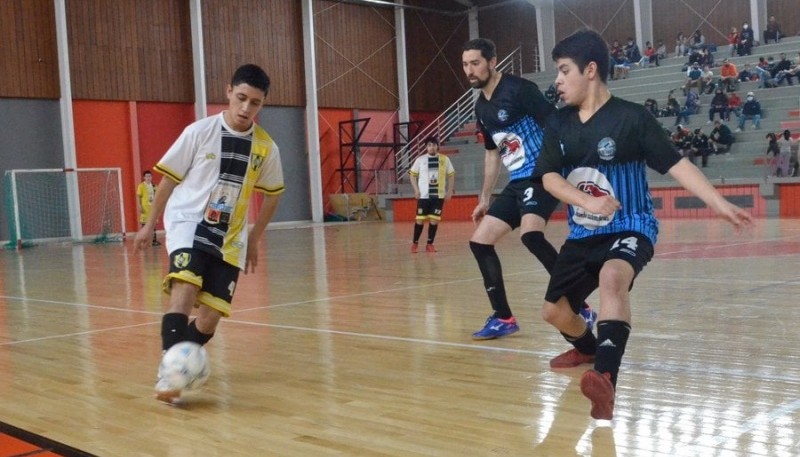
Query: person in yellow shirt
point(145, 192)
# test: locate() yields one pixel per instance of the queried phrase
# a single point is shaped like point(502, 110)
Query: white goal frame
point(73, 200)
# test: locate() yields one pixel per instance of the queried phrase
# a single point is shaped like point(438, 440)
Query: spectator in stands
point(773, 31)
point(750, 110)
point(621, 65)
point(773, 151)
point(747, 74)
point(700, 147)
point(650, 56)
point(615, 49)
point(661, 50)
point(784, 153)
point(708, 81)
point(682, 139)
point(692, 106)
point(693, 78)
point(632, 52)
point(698, 41)
point(779, 70)
point(652, 107)
point(719, 104)
point(672, 107)
point(733, 40)
point(721, 138)
point(762, 70)
point(728, 75)
point(734, 104)
point(681, 45)
point(746, 38)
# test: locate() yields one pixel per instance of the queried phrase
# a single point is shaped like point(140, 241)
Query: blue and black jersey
point(512, 122)
point(609, 155)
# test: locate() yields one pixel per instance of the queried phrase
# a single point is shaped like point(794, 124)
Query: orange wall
point(789, 195)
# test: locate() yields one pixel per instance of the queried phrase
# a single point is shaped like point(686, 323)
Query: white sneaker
point(164, 392)
point(738, 130)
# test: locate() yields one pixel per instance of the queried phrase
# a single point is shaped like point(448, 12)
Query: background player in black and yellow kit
point(595, 158)
point(433, 179)
point(510, 112)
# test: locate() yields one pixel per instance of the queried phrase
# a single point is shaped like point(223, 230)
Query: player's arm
point(139, 201)
point(163, 192)
point(268, 207)
point(561, 189)
point(451, 186)
point(491, 171)
point(693, 180)
point(413, 178)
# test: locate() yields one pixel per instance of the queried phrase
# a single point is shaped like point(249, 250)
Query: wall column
point(312, 113)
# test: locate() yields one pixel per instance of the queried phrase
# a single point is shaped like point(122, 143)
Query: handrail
point(451, 119)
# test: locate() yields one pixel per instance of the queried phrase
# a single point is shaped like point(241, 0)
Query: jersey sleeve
point(488, 142)
point(535, 103)
point(551, 157)
point(660, 152)
point(451, 171)
point(270, 181)
point(414, 171)
point(178, 158)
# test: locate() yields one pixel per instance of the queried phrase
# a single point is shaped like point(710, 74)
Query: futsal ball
point(185, 366)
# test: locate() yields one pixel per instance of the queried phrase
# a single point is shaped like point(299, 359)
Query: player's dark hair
point(432, 139)
point(253, 76)
point(583, 47)
point(484, 45)
point(147, 172)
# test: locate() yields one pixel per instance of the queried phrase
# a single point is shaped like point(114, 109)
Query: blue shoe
point(589, 315)
point(496, 328)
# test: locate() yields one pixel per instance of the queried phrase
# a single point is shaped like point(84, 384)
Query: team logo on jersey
point(211, 156)
point(594, 183)
point(502, 115)
point(182, 260)
point(256, 161)
point(606, 148)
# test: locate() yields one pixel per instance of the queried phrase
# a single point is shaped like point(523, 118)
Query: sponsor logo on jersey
point(593, 182)
point(606, 148)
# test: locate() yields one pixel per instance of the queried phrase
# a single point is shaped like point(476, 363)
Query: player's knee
point(534, 241)
point(551, 313)
point(481, 251)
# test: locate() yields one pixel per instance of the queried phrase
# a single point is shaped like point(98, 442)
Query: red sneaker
point(429, 248)
point(570, 359)
point(598, 388)
point(414, 247)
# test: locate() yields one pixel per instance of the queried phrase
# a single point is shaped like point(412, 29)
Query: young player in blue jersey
point(595, 155)
point(510, 112)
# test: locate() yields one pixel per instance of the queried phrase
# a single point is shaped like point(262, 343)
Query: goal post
point(78, 204)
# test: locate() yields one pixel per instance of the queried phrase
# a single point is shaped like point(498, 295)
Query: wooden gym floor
point(345, 344)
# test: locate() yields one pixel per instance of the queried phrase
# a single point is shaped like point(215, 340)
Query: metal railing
point(451, 119)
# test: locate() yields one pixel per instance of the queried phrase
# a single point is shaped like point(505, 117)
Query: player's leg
point(419, 223)
point(434, 217)
point(502, 218)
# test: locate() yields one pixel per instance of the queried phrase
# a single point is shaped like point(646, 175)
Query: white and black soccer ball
point(185, 366)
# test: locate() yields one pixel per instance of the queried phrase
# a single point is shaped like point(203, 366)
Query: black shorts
point(429, 208)
point(215, 277)
point(577, 271)
point(520, 197)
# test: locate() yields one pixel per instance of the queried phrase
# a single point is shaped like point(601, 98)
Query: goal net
point(81, 204)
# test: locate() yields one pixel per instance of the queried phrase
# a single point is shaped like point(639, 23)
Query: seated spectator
point(615, 48)
point(746, 74)
point(733, 40)
point(734, 104)
point(773, 31)
point(682, 139)
point(700, 147)
point(649, 56)
point(746, 38)
point(707, 81)
point(692, 106)
point(661, 50)
point(750, 110)
point(721, 138)
point(621, 66)
point(681, 45)
point(779, 69)
point(695, 57)
point(672, 107)
point(698, 41)
point(652, 107)
point(632, 52)
point(693, 78)
point(762, 69)
point(719, 104)
point(728, 75)
point(706, 57)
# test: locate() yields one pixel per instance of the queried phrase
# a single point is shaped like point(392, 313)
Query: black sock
point(194, 335)
point(585, 344)
point(432, 232)
point(173, 328)
point(492, 272)
point(417, 232)
point(612, 337)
